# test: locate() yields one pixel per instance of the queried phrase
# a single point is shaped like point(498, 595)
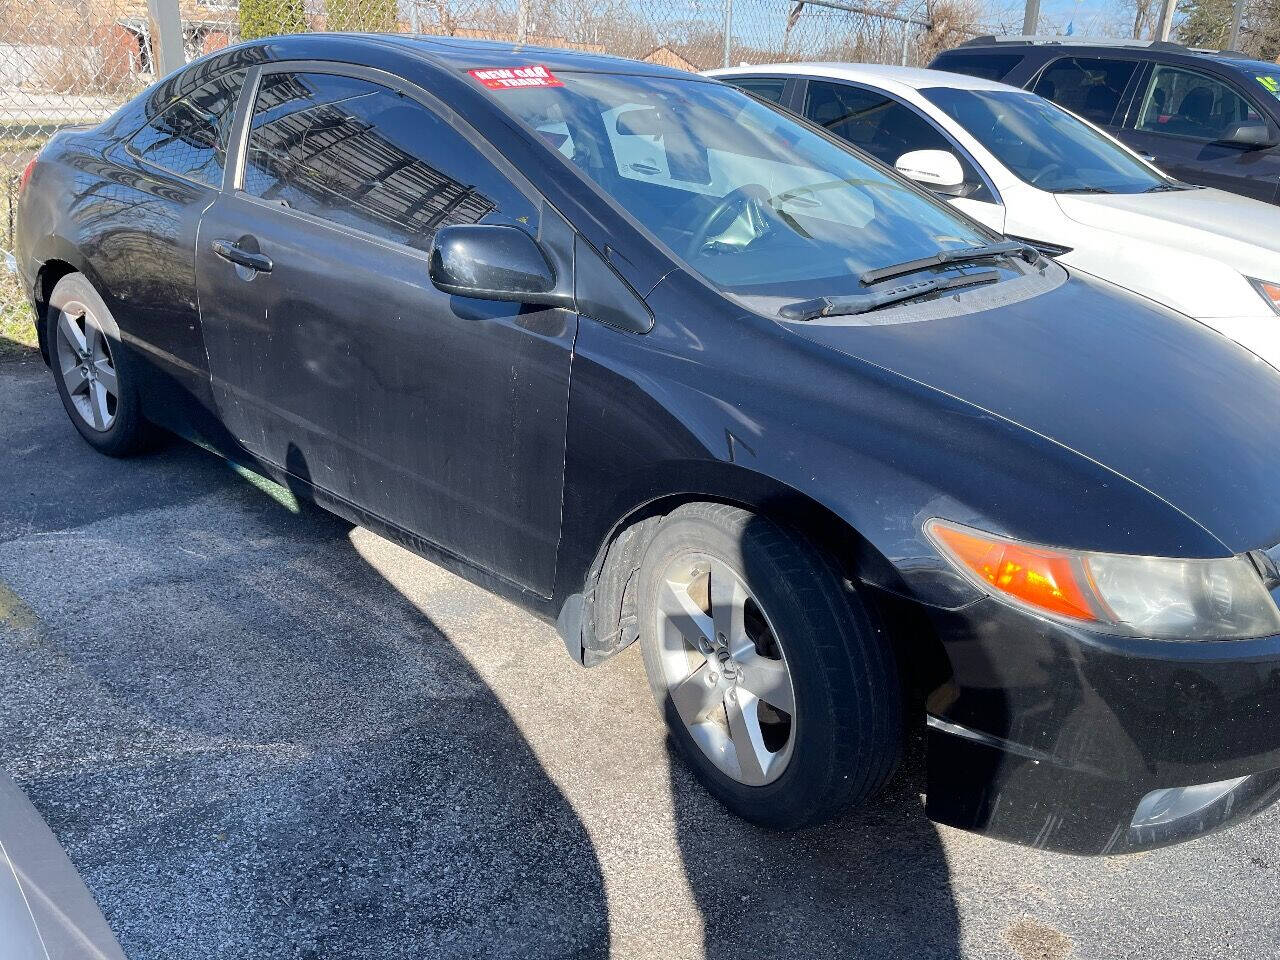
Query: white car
point(1033, 171)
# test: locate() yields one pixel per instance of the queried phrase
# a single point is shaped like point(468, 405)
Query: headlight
point(1268, 291)
point(1156, 597)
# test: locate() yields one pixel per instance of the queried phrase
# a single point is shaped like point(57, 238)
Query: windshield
point(1043, 144)
point(759, 204)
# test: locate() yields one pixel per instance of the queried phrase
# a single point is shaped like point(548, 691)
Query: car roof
point(1155, 49)
point(463, 53)
point(915, 78)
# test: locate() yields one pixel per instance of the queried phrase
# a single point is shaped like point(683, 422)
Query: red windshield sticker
point(510, 78)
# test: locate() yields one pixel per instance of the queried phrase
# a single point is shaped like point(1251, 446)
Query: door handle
point(234, 254)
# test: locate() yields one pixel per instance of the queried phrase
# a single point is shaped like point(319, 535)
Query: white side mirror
point(936, 169)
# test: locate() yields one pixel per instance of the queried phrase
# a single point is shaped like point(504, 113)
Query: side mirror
point(1250, 135)
point(494, 262)
point(938, 170)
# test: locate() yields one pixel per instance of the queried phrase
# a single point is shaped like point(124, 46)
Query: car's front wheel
point(777, 687)
point(84, 348)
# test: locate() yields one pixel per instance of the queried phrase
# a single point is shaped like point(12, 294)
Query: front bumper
point(1052, 735)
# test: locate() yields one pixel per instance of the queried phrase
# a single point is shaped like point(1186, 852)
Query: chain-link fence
point(65, 62)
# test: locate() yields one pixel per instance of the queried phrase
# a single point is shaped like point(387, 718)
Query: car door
point(331, 354)
point(139, 212)
point(1183, 119)
point(887, 128)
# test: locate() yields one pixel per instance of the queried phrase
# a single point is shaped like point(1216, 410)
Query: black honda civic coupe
point(660, 363)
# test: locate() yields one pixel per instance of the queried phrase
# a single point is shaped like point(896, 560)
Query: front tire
point(85, 353)
point(777, 686)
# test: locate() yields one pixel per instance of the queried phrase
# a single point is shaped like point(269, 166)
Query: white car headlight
point(1158, 597)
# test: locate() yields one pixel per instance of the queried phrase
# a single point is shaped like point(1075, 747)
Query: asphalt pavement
point(260, 732)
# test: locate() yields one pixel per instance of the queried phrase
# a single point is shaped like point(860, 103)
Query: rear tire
point(791, 711)
point(90, 371)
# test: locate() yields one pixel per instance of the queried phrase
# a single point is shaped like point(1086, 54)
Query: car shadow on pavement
point(872, 884)
point(253, 744)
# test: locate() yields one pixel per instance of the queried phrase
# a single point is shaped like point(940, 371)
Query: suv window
point(1090, 87)
point(1183, 103)
point(883, 127)
point(189, 137)
point(767, 88)
point(987, 66)
point(363, 155)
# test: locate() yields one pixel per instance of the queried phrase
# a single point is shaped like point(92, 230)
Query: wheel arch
point(597, 616)
point(57, 258)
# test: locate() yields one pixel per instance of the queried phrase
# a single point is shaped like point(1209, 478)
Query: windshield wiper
point(1082, 190)
point(964, 255)
point(866, 302)
point(1163, 187)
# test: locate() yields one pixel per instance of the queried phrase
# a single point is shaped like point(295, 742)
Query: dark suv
point(1205, 117)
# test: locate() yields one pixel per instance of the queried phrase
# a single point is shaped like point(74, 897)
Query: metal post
point(906, 27)
point(1233, 43)
point(1166, 19)
point(728, 29)
point(166, 34)
point(1031, 18)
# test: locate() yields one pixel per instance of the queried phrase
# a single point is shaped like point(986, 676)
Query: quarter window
point(1183, 103)
point(189, 137)
point(1090, 87)
point(363, 155)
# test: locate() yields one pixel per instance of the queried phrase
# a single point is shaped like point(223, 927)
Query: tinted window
point(883, 127)
point(1183, 103)
point(988, 66)
point(1088, 86)
point(190, 136)
point(369, 157)
point(759, 204)
point(1043, 145)
point(767, 88)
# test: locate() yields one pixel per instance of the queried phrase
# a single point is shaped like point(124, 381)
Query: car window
point(1184, 103)
point(988, 66)
point(1088, 86)
point(766, 88)
point(1043, 145)
point(369, 157)
point(189, 137)
point(883, 127)
point(759, 204)
point(1268, 80)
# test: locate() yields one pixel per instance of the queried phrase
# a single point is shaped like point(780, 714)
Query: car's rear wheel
point(84, 347)
point(778, 689)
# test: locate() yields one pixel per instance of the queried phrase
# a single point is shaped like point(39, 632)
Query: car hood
point(1149, 394)
point(1239, 231)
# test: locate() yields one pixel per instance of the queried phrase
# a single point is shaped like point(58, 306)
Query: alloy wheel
point(725, 670)
point(86, 366)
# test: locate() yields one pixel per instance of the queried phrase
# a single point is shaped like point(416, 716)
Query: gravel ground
point(259, 732)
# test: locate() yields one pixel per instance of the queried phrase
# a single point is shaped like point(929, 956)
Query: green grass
point(17, 323)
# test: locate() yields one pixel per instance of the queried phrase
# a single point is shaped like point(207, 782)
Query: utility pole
point(728, 29)
point(166, 35)
point(522, 21)
point(1166, 19)
point(1234, 42)
point(1031, 18)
